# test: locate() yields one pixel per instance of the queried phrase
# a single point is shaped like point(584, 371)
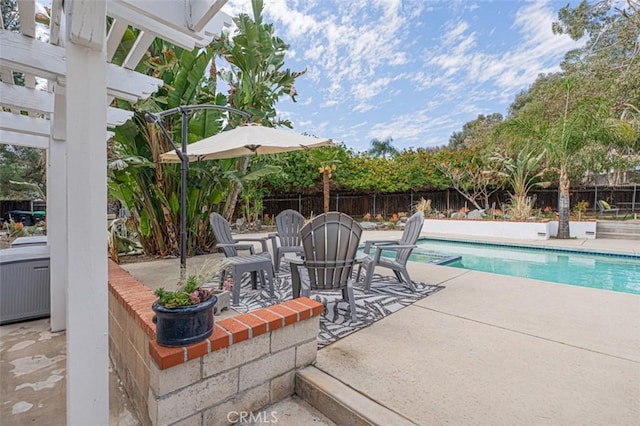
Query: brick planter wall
point(249, 361)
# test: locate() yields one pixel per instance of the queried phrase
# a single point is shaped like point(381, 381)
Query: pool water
point(604, 271)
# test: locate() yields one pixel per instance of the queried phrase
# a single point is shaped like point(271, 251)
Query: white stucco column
point(87, 310)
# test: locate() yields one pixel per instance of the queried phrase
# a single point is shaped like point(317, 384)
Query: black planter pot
point(185, 325)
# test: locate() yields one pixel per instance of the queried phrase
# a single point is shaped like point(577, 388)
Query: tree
point(609, 63)
point(150, 189)
point(22, 173)
point(382, 148)
point(256, 81)
point(257, 78)
point(22, 169)
point(327, 157)
point(582, 122)
point(476, 133)
point(521, 173)
point(468, 172)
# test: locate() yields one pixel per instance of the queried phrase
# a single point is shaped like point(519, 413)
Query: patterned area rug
point(386, 296)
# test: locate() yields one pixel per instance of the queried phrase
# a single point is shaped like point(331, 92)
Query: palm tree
point(582, 122)
point(382, 148)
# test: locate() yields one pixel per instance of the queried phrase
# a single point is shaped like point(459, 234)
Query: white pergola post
point(87, 302)
point(57, 212)
point(71, 124)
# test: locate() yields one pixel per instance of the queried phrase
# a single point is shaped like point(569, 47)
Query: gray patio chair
point(253, 263)
point(605, 208)
point(225, 241)
point(288, 224)
point(330, 243)
point(402, 248)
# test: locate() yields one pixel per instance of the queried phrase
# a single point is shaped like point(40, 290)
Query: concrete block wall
point(249, 361)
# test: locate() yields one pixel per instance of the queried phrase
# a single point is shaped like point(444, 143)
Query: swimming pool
point(604, 271)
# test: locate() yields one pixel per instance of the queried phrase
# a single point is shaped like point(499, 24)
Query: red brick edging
point(137, 300)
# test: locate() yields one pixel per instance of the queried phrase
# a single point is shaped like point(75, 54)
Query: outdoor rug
point(385, 297)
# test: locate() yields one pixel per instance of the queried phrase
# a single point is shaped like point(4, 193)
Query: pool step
point(341, 403)
point(620, 231)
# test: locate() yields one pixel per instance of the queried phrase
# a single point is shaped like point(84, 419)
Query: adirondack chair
point(228, 244)
point(288, 223)
point(402, 248)
point(330, 242)
point(254, 263)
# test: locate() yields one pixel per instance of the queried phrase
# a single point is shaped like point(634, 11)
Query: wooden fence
point(357, 205)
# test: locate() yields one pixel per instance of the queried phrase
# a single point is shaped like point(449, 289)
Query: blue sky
point(412, 70)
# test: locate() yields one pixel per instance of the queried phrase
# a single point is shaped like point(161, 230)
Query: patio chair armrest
point(369, 243)
point(381, 248)
point(395, 247)
point(237, 246)
point(296, 284)
point(295, 261)
point(261, 240)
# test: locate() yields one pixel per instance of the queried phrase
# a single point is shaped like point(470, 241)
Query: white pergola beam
point(116, 117)
point(201, 12)
point(171, 22)
point(28, 55)
point(41, 102)
point(117, 9)
point(130, 85)
point(24, 124)
point(49, 62)
point(25, 98)
point(117, 30)
point(23, 139)
point(138, 50)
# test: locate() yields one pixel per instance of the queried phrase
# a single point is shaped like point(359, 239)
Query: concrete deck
point(488, 349)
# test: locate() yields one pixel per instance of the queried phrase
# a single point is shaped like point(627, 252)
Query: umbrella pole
point(184, 161)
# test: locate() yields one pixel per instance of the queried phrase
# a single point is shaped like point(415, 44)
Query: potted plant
point(184, 316)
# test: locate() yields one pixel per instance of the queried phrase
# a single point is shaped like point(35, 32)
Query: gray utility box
point(36, 240)
point(24, 283)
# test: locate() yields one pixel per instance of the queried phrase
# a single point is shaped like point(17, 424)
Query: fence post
point(374, 204)
point(300, 203)
point(595, 198)
point(337, 200)
point(411, 202)
point(448, 208)
point(633, 200)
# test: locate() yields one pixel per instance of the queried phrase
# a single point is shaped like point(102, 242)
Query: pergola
point(72, 119)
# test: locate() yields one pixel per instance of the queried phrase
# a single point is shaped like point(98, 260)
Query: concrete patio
point(488, 349)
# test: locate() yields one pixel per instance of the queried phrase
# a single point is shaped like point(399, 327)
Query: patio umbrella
point(250, 139)
point(246, 140)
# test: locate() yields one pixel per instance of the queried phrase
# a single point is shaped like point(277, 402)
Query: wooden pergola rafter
point(65, 105)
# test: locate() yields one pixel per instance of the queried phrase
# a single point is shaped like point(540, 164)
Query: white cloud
point(386, 59)
point(454, 32)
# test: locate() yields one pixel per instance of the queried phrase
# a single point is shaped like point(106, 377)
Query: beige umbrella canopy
point(252, 139)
